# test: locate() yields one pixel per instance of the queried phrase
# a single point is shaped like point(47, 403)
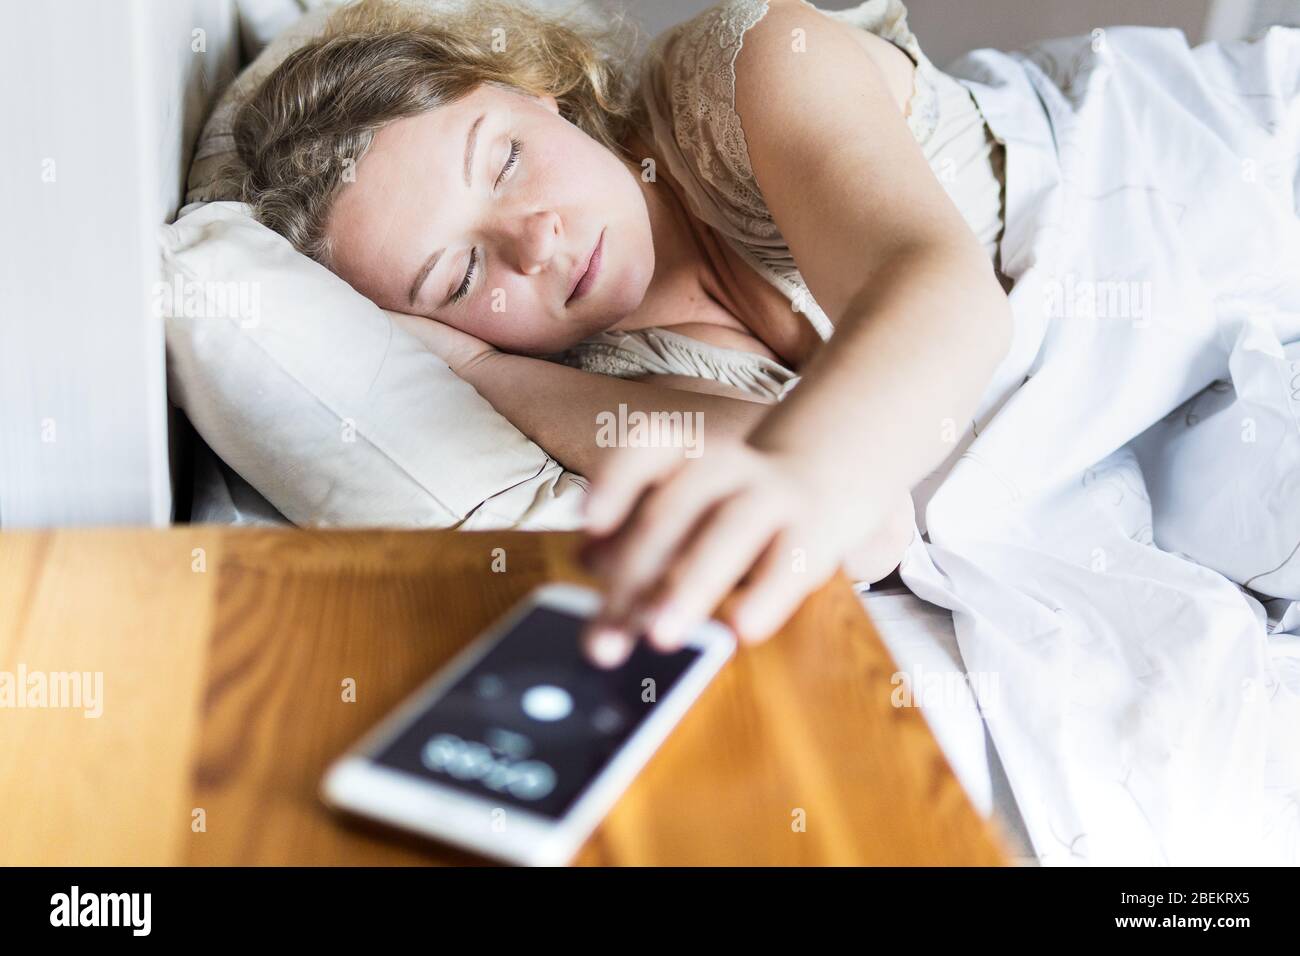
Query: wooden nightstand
point(223, 653)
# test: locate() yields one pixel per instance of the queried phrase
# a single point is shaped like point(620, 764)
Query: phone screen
point(532, 723)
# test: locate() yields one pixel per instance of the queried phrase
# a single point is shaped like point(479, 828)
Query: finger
point(619, 481)
point(608, 644)
point(641, 552)
point(775, 589)
point(606, 647)
point(725, 546)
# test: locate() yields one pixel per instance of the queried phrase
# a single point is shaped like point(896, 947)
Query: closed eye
point(469, 274)
point(516, 147)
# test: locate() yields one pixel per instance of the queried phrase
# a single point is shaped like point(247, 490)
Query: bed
point(1146, 704)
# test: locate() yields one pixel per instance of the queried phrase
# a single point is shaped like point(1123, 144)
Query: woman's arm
point(921, 321)
point(876, 554)
point(558, 407)
point(921, 325)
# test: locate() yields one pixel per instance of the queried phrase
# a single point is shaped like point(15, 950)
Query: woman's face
point(448, 218)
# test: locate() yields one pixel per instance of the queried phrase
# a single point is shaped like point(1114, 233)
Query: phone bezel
point(357, 784)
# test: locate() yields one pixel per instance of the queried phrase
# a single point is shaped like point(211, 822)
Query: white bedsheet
point(1141, 708)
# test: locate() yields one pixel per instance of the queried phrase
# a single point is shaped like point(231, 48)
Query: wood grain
point(111, 789)
point(224, 694)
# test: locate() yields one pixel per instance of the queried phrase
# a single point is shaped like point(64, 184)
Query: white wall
point(947, 28)
point(93, 162)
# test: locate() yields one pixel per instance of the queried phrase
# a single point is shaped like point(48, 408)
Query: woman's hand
point(672, 537)
point(460, 350)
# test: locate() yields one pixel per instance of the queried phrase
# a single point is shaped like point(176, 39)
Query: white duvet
point(1138, 455)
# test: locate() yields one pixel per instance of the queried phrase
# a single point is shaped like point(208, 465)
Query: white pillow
point(274, 398)
point(327, 406)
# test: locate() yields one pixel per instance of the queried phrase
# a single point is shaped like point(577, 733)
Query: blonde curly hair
point(381, 60)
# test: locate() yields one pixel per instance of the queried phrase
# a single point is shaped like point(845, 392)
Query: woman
point(488, 171)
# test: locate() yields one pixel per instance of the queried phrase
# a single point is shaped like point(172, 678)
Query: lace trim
point(604, 359)
point(661, 351)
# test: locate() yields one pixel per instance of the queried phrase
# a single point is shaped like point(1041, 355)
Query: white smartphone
point(519, 746)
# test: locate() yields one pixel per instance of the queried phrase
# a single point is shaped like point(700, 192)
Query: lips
point(586, 278)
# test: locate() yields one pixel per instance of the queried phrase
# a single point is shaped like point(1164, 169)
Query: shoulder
point(785, 54)
point(714, 37)
point(819, 111)
point(797, 57)
point(723, 20)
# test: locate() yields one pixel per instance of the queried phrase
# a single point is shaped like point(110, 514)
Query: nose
point(537, 241)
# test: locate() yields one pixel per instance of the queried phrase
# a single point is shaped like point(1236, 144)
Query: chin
point(624, 294)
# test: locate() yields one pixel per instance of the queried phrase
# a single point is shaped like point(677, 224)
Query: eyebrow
point(471, 141)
